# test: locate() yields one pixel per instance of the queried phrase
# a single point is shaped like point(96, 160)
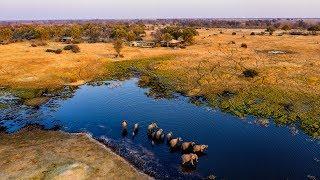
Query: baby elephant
point(124, 125)
point(189, 158)
point(187, 145)
point(174, 142)
point(199, 148)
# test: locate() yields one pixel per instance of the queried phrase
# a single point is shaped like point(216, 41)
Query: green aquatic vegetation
point(126, 69)
point(285, 107)
point(28, 93)
point(3, 106)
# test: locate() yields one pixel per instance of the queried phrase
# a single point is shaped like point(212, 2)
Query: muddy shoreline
point(43, 156)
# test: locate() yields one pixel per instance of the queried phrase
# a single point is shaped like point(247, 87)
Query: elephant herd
point(190, 150)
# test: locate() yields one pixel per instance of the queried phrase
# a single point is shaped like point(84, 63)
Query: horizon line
point(168, 18)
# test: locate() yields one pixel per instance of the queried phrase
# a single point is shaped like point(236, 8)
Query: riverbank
point(33, 153)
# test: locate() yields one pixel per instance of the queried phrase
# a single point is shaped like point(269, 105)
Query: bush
point(72, 47)
point(33, 45)
point(250, 73)
point(234, 33)
point(314, 28)
point(56, 51)
point(253, 33)
point(244, 45)
point(232, 42)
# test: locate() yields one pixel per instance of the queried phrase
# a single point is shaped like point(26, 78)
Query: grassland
point(286, 88)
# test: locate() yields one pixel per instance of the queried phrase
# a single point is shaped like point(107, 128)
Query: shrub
point(286, 27)
point(56, 51)
point(250, 73)
point(314, 28)
point(244, 45)
point(232, 42)
point(33, 45)
point(253, 33)
point(271, 30)
point(234, 33)
point(50, 50)
point(72, 47)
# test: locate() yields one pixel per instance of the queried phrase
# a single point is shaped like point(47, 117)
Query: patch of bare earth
point(33, 153)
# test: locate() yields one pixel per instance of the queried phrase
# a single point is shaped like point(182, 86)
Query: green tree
point(76, 31)
point(286, 27)
point(6, 34)
point(314, 28)
point(270, 30)
point(118, 46)
point(42, 33)
point(119, 32)
point(131, 36)
point(166, 37)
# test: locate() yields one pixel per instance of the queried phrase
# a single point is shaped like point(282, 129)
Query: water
point(238, 148)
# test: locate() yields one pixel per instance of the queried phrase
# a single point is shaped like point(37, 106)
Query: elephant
point(187, 145)
point(189, 158)
point(174, 142)
point(159, 134)
point(152, 127)
point(169, 136)
point(135, 129)
point(199, 148)
point(124, 125)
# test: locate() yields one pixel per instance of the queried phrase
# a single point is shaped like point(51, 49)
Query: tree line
point(89, 32)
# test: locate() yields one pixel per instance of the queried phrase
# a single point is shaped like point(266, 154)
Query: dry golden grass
point(298, 70)
point(25, 66)
point(22, 66)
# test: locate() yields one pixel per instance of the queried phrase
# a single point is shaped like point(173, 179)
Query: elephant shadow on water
point(124, 133)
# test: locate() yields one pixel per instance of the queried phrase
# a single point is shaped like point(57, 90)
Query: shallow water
point(238, 148)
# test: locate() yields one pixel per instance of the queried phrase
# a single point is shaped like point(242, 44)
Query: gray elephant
point(175, 142)
point(135, 129)
point(152, 127)
point(169, 136)
point(187, 145)
point(200, 148)
point(124, 125)
point(159, 134)
point(189, 158)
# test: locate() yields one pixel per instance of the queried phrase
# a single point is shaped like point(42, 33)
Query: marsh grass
point(285, 106)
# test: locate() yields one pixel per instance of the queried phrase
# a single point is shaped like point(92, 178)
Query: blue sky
point(125, 9)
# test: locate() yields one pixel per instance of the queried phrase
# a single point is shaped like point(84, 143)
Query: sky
point(133, 9)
